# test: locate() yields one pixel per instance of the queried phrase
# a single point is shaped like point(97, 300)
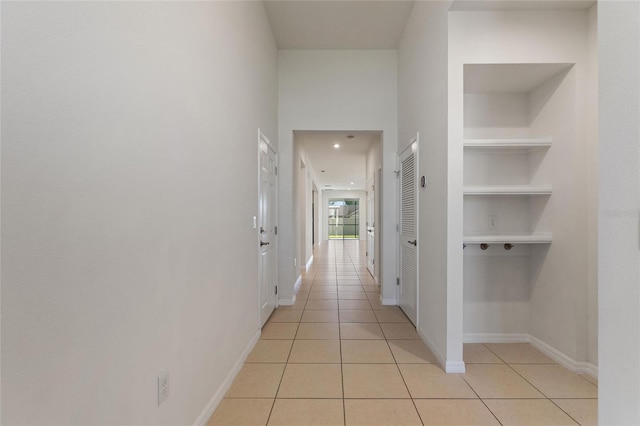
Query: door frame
point(413, 145)
point(262, 138)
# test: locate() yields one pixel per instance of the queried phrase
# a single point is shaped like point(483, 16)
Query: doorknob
point(414, 242)
point(263, 243)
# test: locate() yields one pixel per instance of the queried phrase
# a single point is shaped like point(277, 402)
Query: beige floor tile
point(590, 379)
point(318, 331)
point(286, 315)
point(454, 412)
point(279, 330)
point(498, 381)
point(352, 331)
point(524, 412)
point(373, 295)
point(348, 285)
point(321, 295)
point(411, 352)
point(477, 353)
point(583, 411)
point(270, 351)
point(430, 381)
point(315, 352)
point(311, 412)
point(364, 315)
point(311, 381)
point(377, 304)
point(354, 304)
point(302, 295)
point(350, 289)
point(320, 315)
point(373, 381)
point(366, 351)
point(555, 381)
point(520, 353)
point(322, 304)
point(380, 412)
point(390, 316)
point(256, 381)
point(328, 287)
point(371, 288)
point(400, 331)
point(352, 295)
point(241, 412)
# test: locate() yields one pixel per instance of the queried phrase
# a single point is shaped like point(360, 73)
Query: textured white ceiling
point(342, 165)
point(329, 24)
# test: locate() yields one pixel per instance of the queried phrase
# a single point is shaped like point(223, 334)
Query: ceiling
point(338, 167)
point(342, 24)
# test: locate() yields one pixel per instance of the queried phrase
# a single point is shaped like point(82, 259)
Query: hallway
point(339, 357)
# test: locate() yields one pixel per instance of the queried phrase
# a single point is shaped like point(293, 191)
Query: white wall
point(619, 230)
point(422, 107)
point(373, 167)
point(559, 291)
point(592, 176)
point(337, 90)
point(123, 243)
point(361, 196)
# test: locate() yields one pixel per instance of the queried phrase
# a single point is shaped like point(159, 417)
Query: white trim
point(495, 338)
point(217, 397)
point(455, 367)
point(287, 302)
point(389, 301)
point(578, 367)
point(309, 263)
point(297, 284)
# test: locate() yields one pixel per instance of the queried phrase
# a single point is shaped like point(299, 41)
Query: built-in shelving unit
point(526, 144)
point(534, 238)
point(512, 190)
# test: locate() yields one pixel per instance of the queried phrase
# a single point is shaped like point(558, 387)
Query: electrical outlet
point(163, 387)
point(492, 221)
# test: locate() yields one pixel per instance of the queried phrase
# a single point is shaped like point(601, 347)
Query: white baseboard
point(213, 403)
point(297, 284)
point(495, 338)
point(567, 362)
point(455, 367)
point(309, 263)
point(388, 302)
point(287, 302)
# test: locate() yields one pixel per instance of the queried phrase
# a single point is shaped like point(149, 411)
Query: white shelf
point(535, 238)
point(508, 190)
point(518, 144)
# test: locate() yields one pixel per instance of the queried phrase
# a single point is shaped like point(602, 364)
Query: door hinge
point(398, 281)
point(397, 228)
point(276, 230)
point(276, 289)
point(276, 170)
point(373, 261)
point(366, 254)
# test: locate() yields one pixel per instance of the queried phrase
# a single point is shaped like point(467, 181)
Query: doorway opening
point(344, 219)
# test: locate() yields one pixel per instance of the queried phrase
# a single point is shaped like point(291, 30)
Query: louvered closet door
point(408, 232)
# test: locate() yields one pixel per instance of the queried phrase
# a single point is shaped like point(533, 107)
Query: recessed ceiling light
point(321, 171)
point(351, 183)
point(336, 145)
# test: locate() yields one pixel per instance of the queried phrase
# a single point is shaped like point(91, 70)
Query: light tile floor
point(339, 357)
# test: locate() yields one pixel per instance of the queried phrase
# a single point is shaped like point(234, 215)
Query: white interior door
point(408, 231)
point(371, 247)
point(267, 229)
